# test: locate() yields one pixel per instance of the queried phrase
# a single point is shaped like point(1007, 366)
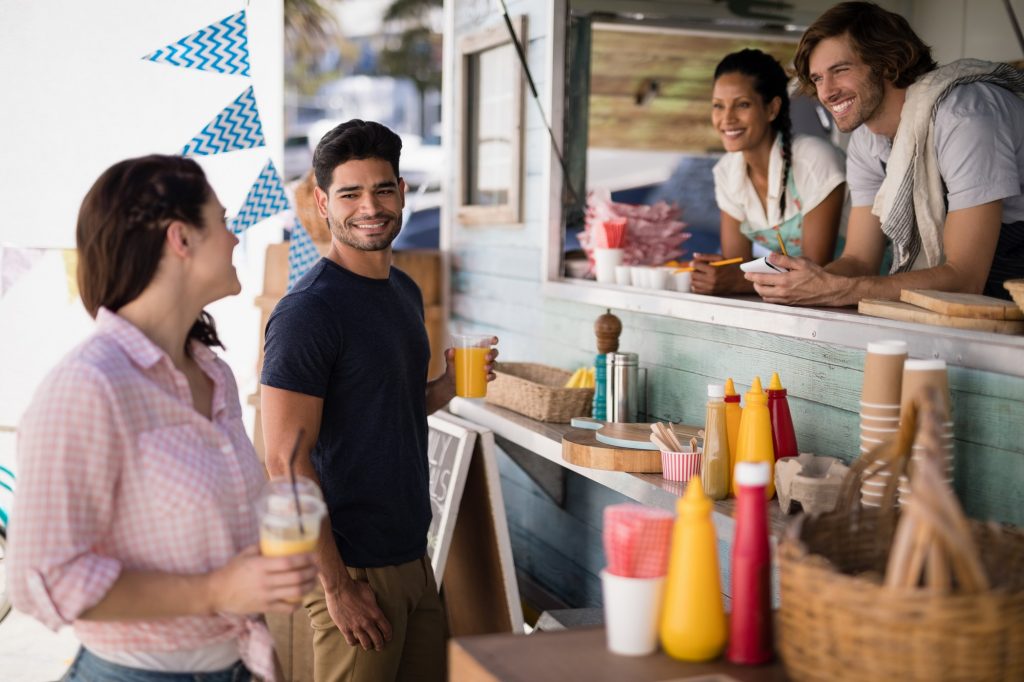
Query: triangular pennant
point(14, 264)
point(222, 47)
point(237, 126)
point(266, 198)
point(302, 254)
point(71, 272)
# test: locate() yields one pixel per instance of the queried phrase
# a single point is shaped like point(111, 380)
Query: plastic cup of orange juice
point(290, 519)
point(471, 364)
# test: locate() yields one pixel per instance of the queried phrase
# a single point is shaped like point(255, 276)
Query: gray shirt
point(979, 138)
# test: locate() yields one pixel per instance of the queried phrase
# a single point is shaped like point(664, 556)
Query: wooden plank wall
point(678, 118)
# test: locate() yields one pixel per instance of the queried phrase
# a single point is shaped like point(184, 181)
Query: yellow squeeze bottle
point(755, 435)
point(733, 412)
point(693, 626)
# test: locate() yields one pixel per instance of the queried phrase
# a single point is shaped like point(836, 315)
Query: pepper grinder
point(607, 328)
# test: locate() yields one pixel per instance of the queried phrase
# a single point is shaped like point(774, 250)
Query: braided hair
point(770, 81)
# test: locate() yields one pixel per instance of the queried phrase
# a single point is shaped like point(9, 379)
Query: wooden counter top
point(581, 654)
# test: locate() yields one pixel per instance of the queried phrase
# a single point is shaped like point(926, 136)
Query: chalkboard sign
point(449, 449)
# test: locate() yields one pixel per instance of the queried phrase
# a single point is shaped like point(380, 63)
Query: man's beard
point(378, 242)
point(867, 105)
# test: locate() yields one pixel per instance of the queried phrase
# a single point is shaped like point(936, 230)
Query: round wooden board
point(581, 447)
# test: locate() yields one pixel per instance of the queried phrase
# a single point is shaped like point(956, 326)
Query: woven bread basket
point(839, 621)
point(538, 391)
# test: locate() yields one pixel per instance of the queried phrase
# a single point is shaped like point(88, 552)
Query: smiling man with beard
point(935, 164)
point(346, 358)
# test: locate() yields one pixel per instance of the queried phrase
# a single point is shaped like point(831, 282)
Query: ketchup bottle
point(750, 628)
point(783, 434)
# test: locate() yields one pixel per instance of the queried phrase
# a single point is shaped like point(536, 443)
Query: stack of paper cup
point(880, 407)
point(917, 375)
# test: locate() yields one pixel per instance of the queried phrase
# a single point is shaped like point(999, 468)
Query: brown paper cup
point(879, 422)
point(918, 374)
point(883, 371)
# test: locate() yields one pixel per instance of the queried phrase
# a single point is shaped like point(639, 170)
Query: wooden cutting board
point(963, 305)
point(581, 447)
point(896, 310)
point(622, 435)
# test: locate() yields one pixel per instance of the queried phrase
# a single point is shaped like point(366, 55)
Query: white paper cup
point(658, 278)
point(638, 275)
point(632, 607)
point(683, 281)
point(623, 275)
point(605, 261)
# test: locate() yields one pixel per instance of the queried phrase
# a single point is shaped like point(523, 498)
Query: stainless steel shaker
point(623, 387)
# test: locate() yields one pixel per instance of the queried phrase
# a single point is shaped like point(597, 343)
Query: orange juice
point(470, 372)
point(290, 542)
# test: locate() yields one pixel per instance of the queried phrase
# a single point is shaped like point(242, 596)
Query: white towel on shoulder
point(911, 200)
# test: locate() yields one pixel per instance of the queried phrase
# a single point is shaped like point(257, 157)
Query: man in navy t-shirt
point(346, 357)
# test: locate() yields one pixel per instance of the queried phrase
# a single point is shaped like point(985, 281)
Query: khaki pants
point(407, 594)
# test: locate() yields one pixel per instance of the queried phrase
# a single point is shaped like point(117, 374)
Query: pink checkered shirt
point(116, 470)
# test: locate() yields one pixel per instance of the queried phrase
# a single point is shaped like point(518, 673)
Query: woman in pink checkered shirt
point(134, 519)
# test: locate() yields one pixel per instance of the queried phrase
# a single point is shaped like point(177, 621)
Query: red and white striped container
point(681, 466)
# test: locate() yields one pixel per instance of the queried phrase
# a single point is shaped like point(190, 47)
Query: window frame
point(987, 351)
point(471, 46)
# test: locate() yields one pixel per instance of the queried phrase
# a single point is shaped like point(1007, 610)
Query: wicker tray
point(538, 392)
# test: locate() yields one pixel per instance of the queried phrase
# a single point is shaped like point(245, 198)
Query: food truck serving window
point(631, 94)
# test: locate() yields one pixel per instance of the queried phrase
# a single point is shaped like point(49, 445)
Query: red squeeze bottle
point(750, 628)
point(783, 434)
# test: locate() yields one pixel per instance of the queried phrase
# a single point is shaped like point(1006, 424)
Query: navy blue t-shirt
point(360, 344)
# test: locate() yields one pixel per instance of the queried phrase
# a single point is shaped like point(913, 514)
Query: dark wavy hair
point(358, 140)
point(122, 226)
point(770, 81)
point(882, 39)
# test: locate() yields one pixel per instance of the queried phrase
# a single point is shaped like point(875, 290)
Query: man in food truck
point(346, 359)
point(935, 164)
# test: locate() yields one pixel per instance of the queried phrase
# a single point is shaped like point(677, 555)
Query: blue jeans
point(88, 667)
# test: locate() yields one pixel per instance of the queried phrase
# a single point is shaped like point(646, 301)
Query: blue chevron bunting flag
point(302, 254)
point(266, 198)
point(222, 47)
point(237, 126)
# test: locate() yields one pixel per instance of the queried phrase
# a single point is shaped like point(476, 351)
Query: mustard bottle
point(693, 626)
point(755, 437)
point(733, 412)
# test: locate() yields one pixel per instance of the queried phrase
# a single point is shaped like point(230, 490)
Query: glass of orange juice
point(470, 364)
point(290, 519)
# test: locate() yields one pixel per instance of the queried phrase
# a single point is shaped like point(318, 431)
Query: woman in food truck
point(780, 191)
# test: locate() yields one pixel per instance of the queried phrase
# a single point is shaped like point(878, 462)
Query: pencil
point(782, 244)
point(728, 261)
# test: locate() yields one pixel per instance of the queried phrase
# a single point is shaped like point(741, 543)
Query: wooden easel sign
point(479, 577)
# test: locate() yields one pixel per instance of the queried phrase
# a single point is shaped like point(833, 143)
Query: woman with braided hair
point(769, 184)
point(135, 516)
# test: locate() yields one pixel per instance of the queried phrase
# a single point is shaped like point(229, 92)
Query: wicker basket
point(538, 392)
point(839, 622)
point(1016, 289)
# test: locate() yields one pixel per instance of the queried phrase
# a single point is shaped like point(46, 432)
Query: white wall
point(968, 28)
point(77, 97)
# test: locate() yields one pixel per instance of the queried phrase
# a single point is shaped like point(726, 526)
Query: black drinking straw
point(291, 473)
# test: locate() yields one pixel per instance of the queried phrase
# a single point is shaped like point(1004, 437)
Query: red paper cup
point(680, 466)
